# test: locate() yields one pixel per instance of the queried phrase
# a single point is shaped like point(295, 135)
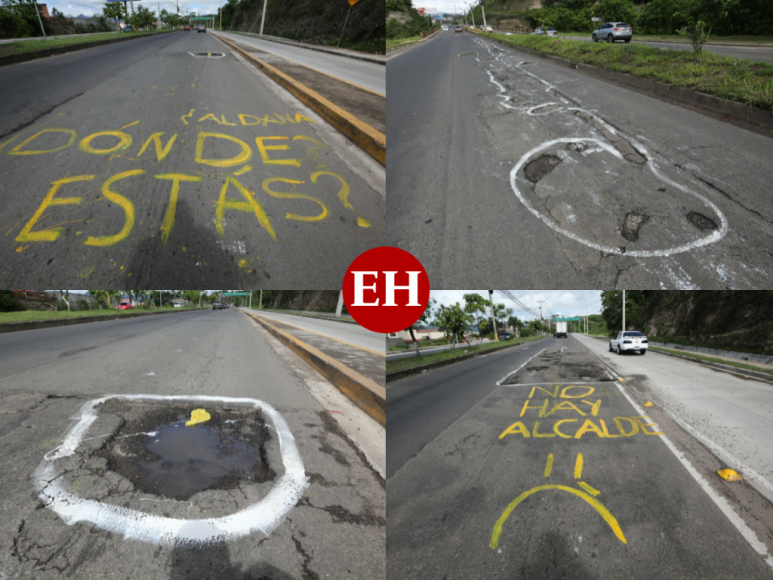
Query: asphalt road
point(541, 464)
point(148, 163)
point(353, 334)
point(369, 75)
point(336, 528)
point(536, 176)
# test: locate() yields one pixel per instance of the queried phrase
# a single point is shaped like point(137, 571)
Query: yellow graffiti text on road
point(264, 149)
point(125, 204)
point(124, 142)
point(251, 204)
point(168, 222)
point(281, 195)
point(27, 235)
point(18, 150)
point(243, 157)
point(161, 150)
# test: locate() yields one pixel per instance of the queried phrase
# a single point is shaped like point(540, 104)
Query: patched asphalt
point(554, 473)
point(336, 528)
point(176, 165)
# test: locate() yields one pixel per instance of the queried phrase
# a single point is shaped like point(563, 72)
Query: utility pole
point(472, 16)
point(260, 307)
point(221, 28)
point(340, 307)
point(623, 310)
point(483, 10)
point(250, 298)
point(263, 19)
point(493, 320)
point(43, 30)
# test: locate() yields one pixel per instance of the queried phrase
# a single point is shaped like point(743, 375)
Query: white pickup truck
point(628, 341)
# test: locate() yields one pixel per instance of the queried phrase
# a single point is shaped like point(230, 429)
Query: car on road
point(628, 341)
point(612, 31)
point(487, 29)
point(186, 27)
point(217, 306)
point(201, 28)
point(505, 336)
point(126, 29)
point(458, 28)
point(445, 27)
point(546, 31)
point(124, 305)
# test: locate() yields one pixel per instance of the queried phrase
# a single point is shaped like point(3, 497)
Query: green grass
point(33, 315)
point(685, 40)
point(744, 81)
point(701, 357)
point(460, 350)
point(33, 45)
point(397, 42)
point(718, 346)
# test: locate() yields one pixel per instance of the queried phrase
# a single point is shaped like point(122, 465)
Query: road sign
point(594, 19)
point(236, 293)
point(573, 319)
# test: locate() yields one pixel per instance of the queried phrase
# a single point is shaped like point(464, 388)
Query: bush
point(7, 302)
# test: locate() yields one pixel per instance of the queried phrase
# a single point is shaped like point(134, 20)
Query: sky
point(565, 302)
point(443, 6)
point(91, 7)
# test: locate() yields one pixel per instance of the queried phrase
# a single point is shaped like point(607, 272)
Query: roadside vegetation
point(25, 46)
point(404, 23)
point(461, 350)
point(744, 81)
point(700, 357)
point(34, 315)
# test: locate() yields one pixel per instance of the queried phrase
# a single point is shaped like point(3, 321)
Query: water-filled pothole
point(159, 454)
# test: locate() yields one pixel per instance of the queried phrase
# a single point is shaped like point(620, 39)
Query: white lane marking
point(500, 381)
point(263, 516)
point(720, 501)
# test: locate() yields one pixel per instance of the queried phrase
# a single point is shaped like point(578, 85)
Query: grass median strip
point(700, 357)
point(461, 350)
point(740, 80)
point(35, 315)
point(36, 45)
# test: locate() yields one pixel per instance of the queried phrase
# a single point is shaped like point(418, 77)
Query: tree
point(454, 320)
point(612, 311)
point(423, 319)
point(114, 10)
point(142, 18)
point(193, 296)
point(515, 323)
point(65, 294)
point(475, 304)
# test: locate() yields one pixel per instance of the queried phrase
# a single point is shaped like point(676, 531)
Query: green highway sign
point(573, 319)
point(236, 293)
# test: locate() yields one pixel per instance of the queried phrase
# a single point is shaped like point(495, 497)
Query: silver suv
point(612, 31)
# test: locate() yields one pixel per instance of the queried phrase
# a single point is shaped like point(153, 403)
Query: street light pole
point(493, 320)
point(263, 19)
point(623, 310)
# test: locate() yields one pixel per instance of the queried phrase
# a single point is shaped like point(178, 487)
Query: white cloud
point(565, 302)
point(91, 7)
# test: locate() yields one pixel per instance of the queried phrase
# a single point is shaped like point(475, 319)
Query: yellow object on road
point(198, 416)
point(729, 475)
point(648, 404)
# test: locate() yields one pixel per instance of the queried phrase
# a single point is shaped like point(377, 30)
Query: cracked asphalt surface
point(540, 177)
point(491, 459)
point(167, 162)
point(336, 529)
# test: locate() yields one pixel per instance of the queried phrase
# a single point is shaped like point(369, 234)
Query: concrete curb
point(310, 47)
point(34, 55)
point(702, 101)
point(397, 375)
point(753, 374)
point(36, 324)
point(362, 391)
point(742, 357)
point(366, 137)
point(346, 320)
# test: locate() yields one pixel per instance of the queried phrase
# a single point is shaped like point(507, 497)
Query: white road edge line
point(499, 382)
point(720, 501)
point(263, 516)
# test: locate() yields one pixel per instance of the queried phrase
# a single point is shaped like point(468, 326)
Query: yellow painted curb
point(362, 391)
point(373, 142)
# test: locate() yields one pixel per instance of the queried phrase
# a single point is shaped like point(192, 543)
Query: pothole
point(701, 222)
point(630, 227)
point(159, 454)
point(207, 54)
point(579, 147)
point(540, 167)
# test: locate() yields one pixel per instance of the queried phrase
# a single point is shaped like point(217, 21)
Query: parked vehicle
point(124, 305)
point(177, 305)
point(458, 28)
point(505, 335)
point(628, 341)
point(546, 31)
point(126, 29)
point(201, 28)
point(186, 27)
point(561, 330)
point(217, 306)
point(612, 31)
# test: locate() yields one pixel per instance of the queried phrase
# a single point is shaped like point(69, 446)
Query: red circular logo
point(386, 289)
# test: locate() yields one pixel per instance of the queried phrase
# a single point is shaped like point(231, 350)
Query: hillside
point(316, 21)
